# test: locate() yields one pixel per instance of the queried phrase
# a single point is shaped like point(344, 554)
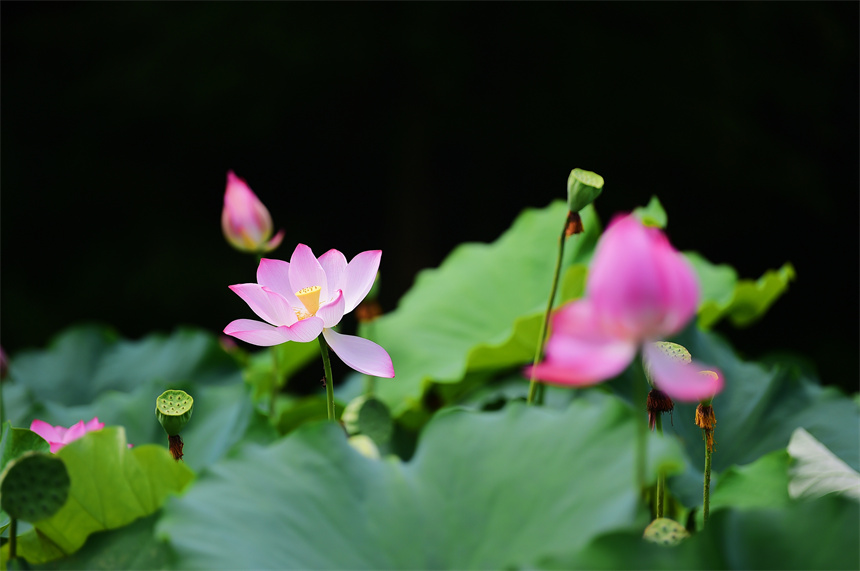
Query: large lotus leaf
point(84, 361)
point(717, 282)
point(65, 370)
point(484, 490)
point(820, 534)
point(13, 443)
point(742, 301)
point(476, 299)
point(131, 547)
point(112, 486)
point(16, 441)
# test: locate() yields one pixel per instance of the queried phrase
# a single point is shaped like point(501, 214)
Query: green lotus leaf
point(112, 486)
point(480, 308)
point(484, 490)
point(16, 441)
point(133, 546)
point(652, 214)
point(741, 301)
point(820, 534)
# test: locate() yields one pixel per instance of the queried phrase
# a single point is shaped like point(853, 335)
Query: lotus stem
point(661, 475)
point(533, 383)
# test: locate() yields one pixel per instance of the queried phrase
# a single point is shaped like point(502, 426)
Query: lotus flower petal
point(331, 312)
point(643, 288)
point(306, 271)
point(685, 382)
point(360, 275)
point(334, 264)
point(59, 436)
point(265, 335)
point(275, 275)
point(266, 304)
point(580, 352)
point(362, 355)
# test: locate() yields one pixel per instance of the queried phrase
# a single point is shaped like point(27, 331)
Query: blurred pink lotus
point(640, 289)
point(59, 436)
point(306, 297)
point(245, 220)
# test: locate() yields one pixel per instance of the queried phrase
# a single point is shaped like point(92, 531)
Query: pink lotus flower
point(306, 297)
point(640, 289)
point(59, 436)
point(245, 220)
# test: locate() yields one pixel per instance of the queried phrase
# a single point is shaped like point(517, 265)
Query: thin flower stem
point(329, 386)
point(275, 387)
point(661, 476)
point(706, 494)
point(533, 384)
point(13, 539)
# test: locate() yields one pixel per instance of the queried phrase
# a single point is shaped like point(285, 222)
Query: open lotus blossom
point(306, 297)
point(245, 220)
point(59, 436)
point(640, 289)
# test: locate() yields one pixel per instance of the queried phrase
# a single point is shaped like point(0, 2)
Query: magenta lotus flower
point(306, 297)
point(245, 220)
point(640, 289)
point(59, 436)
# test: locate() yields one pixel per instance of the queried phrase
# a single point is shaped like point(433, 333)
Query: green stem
point(706, 494)
point(661, 476)
point(13, 538)
point(533, 383)
point(329, 385)
point(275, 387)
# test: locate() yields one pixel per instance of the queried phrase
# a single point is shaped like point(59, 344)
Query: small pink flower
point(59, 436)
point(640, 289)
point(306, 297)
point(245, 220)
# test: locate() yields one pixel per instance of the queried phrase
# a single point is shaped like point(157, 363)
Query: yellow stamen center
point(310, 298)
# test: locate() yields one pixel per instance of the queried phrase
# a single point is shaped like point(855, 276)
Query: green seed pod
point(582, 188)
point(368, 416)
point(664, 531)
point(34, 486)
point(173, 410)
point(673, 351)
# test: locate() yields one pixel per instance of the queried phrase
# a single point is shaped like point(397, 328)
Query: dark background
point(411, 128)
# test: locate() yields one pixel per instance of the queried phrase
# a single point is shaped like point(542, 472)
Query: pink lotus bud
point(245, 220)
point(641, 286)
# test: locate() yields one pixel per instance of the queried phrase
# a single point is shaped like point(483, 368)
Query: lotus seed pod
point(368, 416)
point(582, 188)
point(674, 351)
point(34, 486)
point(173, 410)
point(664, 531)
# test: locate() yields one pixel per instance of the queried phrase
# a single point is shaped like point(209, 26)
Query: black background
point(411, 128)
